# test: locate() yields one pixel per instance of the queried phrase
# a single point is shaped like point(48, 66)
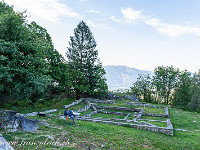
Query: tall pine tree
point(88, 73)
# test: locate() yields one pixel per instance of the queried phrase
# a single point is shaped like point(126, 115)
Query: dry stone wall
point(74, 103)
point(164, 130)
point(114, 113)
point(92, 100)
point(119, 108)
point(143, 105)
point(137, 113)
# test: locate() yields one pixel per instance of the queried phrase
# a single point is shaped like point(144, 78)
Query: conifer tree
point(88, 73)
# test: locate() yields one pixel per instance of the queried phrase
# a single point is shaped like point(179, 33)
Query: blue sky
point(142, 34)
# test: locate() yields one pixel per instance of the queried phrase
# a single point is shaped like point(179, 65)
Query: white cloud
point(50, 10)
point(92, 11)
point(117, 20)
point(98, 25)
point(131, 16)
point(172, 30)
point(91, 23)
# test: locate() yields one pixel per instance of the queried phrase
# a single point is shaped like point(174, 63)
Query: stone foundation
point(120, 108)
point(137, 112)
point(74, 103)
point(143, 105)
point(164, 130)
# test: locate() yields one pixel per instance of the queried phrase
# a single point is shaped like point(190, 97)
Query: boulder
point(11, 121)
point(4, 145)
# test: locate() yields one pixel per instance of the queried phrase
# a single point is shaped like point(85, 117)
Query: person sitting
point(66, 113)
point(71, 115)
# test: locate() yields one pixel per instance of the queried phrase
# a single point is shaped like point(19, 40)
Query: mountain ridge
point(121, 76)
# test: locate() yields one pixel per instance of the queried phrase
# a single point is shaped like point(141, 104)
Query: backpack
point(65, 113)
point(70, 113)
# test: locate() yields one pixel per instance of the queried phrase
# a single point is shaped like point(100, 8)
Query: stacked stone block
point(143, 105)
point(92, 100)
point(74, 103)
point(138, 112)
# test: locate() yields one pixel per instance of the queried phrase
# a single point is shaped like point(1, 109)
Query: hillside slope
point(54, 133)
point(122, 76)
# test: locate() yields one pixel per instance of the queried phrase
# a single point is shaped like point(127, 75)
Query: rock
point(30, 114)
point(44, 123)
point(11, 121)
point(28, 125)
point(50, 137)
point(4, 145)
point(49, 111)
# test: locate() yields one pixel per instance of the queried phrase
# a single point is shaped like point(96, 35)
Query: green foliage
point(59, 71)
point(29, 65)
point(21, 70)
point(85, 67)
point(194, 104)
point(41, 105)
point(170, 86)
point(143, 88)
point(165, 80)
point(182, 94)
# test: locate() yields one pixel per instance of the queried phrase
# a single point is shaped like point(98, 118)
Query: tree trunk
point(77, 94)
point(168, 96)
point(168, 92)
point(68, 93)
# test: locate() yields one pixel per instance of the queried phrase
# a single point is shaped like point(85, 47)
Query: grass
point(153, 118)
point(119, 103)
point(185, 120)
point(39, 106)
point(122, 103)
point(86, 112)
point(159, 124)
point(154, 110)
point(75, 108)
point(108, 110)
point(90, 135)
point(107, 116)
point(131, 117)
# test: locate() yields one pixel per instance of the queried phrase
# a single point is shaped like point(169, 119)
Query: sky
point(142, 34)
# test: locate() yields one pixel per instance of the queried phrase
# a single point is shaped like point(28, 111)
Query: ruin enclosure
point(125, 113)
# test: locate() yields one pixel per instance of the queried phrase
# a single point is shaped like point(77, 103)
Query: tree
point(23, 52)
point(194, 103)
point(165, 80)
point(59, 71)
point(182, 94)
point(85, 67)
point(142, 87)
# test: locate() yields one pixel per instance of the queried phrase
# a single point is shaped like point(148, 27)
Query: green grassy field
point(89, 135)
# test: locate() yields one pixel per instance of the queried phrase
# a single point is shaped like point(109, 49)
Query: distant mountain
point(122, 76)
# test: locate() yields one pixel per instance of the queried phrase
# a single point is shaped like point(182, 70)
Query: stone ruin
point(137, 113)
point(12, 121)
point(116, 97)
